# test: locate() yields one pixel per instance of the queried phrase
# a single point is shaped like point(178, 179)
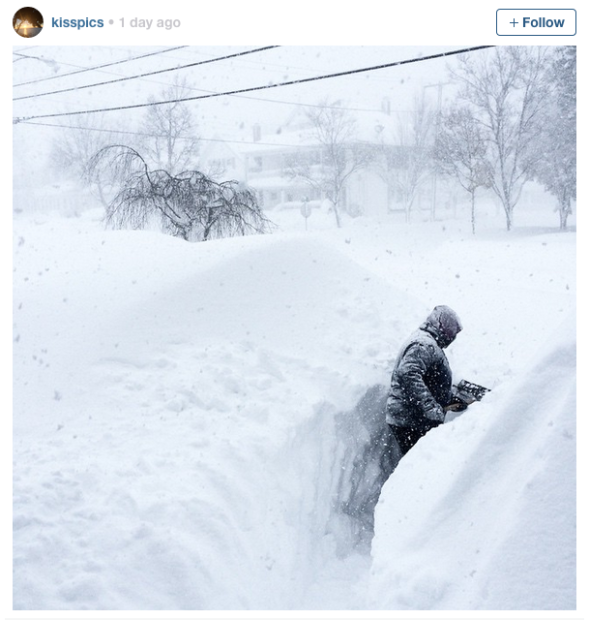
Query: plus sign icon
point(536, 22)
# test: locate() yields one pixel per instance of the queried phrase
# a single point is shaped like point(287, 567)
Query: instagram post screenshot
point(291, 329)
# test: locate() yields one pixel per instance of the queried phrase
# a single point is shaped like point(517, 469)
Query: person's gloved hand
point(456, 405)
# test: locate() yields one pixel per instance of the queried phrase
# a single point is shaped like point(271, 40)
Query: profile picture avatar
point(27, 22)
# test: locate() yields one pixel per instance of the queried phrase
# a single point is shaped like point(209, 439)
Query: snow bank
point(175, 412)
point(194, 424)
point(489, 500)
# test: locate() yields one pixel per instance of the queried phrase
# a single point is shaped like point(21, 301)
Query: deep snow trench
point(336, 464)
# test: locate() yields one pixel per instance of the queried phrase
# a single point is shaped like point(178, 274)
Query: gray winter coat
point(421, 383)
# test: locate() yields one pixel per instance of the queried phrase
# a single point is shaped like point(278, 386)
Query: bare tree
point(557, 168)
point(507, 91)
point(339, 156)
point(415, 142)
point(73, 149)
point(188, 205)
point(460, 153)
point(169, 131)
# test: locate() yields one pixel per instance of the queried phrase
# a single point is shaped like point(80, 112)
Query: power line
point(148, 74)
point(28, 57)
point(108, 64)
point(154, 135)
point(263, 87)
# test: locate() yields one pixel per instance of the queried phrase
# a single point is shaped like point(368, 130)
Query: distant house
point(273, 160)
point(268, 161)
point(222, 160)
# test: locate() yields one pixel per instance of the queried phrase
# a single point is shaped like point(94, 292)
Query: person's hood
point(443, 324)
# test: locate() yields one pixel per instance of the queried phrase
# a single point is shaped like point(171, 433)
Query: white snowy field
point(187, 428)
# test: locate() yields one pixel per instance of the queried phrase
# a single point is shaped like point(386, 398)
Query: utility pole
point(439, 86)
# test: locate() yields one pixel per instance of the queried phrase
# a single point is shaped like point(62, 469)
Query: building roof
point(371, 127)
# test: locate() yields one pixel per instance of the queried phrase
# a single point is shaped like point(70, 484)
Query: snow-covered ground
point(191, 420)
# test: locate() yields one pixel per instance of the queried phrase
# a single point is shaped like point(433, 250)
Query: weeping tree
point(188, 205)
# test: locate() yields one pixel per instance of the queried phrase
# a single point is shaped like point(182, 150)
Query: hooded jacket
point(421, 383)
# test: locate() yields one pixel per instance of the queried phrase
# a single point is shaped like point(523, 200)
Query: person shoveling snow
point(421, 391)
point(421, 394)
